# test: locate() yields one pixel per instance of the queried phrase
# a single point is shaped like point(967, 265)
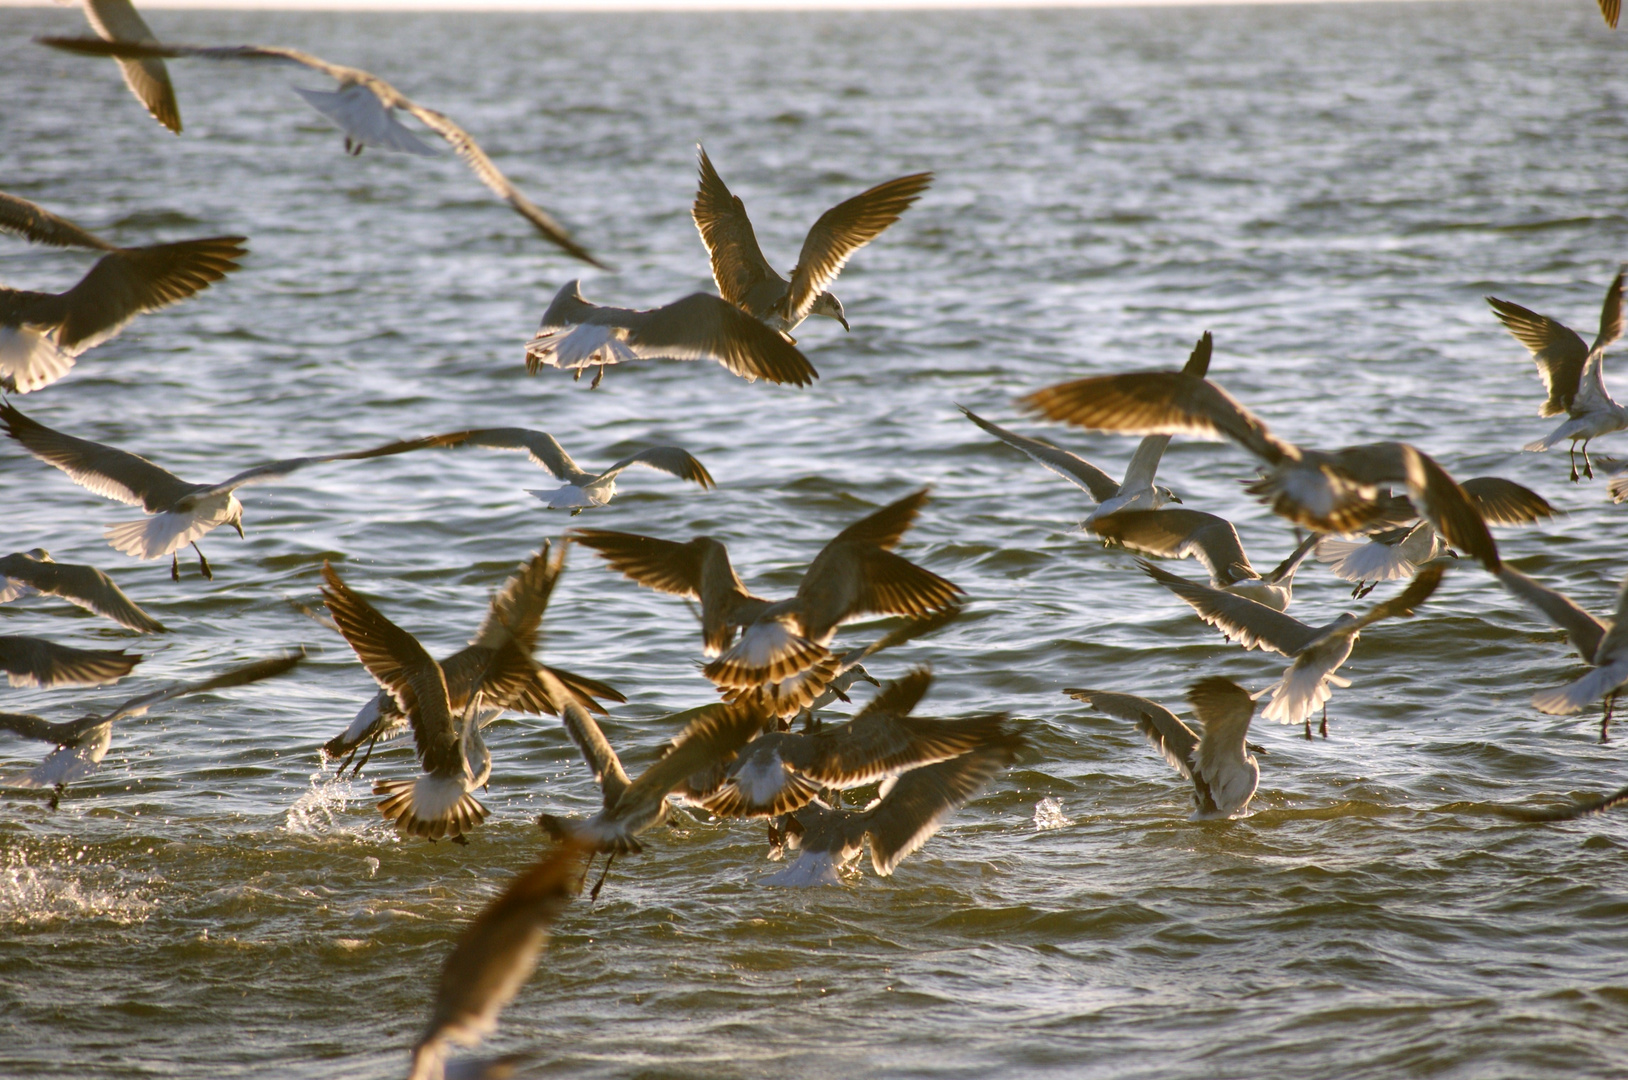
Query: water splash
point(317, 812)
point(32, 896)
point(1048, 814)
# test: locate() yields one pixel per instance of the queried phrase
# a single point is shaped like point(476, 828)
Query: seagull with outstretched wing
point(32, 661)
point(31, 572)
point(1602, 645)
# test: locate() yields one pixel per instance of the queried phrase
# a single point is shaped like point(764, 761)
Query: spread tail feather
point(430, 806)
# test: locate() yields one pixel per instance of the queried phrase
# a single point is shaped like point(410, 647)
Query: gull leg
point(56, 795)
point(175, 567)
point(1574, 463)
point(1323, 730)
point(371, 743)
point(1605, 718)
point(598, 377)
point(203, 563)
point(1308, 727)
point(600, 884)
point(1588, 467)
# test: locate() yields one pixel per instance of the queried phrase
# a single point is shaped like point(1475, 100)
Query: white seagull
point(747, 280)
point(41, 333)
point(363, 107)
point(1573, 373)
point(1218, 762)
point(1602, 644)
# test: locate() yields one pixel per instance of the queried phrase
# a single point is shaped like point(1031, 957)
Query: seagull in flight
point(1213, 541)
point(582, 489)
point(1602, 644)
point(1326, 491)
point(181, 512)
point(149, 79)
point(576, 334)
point(1217, 760)
point(81, 744)
point(363, 107)
point(747, 280)
point(1573, 373)
point(42, 333)
point(26, 573)
point(1317, 651)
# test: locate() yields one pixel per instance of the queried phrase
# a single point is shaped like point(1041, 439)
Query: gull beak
point(238, 525)
point(844, 322)
point(1175, 498)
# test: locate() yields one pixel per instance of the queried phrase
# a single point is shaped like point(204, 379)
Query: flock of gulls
point(764, 750)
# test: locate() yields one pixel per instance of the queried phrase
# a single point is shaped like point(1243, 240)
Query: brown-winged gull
point(25, 573)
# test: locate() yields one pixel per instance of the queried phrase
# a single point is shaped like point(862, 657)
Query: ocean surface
point(1330, 189)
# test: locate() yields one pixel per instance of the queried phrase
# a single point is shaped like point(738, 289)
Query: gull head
point(1162, 495)
point(39, 555)
point(829, 306)
point(236, 520)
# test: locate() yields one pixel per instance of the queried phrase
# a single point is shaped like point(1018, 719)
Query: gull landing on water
point(1218, 762)
point(1603, 645)
point(35, 572)
point(41, 334)
point(745, 278)
point(181, 513)
point(1137, 491)
point(576, 334)
point(1317, 651)
point(363, 106)
point(582, 489)
point(1573, 373)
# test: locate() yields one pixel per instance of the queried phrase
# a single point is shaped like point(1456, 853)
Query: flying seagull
point(497, 662)
point(1573, 373)
point(1602, 644)
point(1317, 651)
point(180, 512)
point(909, 811)
point(81, 744)
point(1176, 534)
point(1137, 491)
point(149, 80)
point(363, 107)
point(856, 574)
point(745, 277)
point(582, 489)
point(42, 333)
point(576, 334)
point(1327, 491)
point(27, 572)
point(496, 955)
point(1216, 760)
point(32, 661)
point(454, 757)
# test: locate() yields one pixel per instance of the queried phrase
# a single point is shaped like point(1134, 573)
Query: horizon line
point(608, 6)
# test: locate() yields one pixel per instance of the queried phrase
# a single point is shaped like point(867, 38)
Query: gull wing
point(149, 80)
point(1158, 403)
point(1174, 739)
point(704, 327)
point(1224, 709)
point(517, 609)
point(596, 751)
point(879, 743)
point(1559, 352)
point(699, 569)
point(1596, 805)
point(164, 50)
point(917, 805)
point(105, 470)
point(1437, 495)
point(276, 470)
point(1611, 318)
point(856, 574)
point(540, 446)
point(1198, 361)
point(242, 675)
point(1504, 502)
point(1583, 630)
point(1252, 625)
point(1176, 534)
point(667, 459)
point(1070, 467)
point(34, 223)
point(1144, 464)
point(30, 726)
point(718, 732)
point(399, 664)
point(86, 586)
point(1400, 606)
point(32, 661)
point(843, 230)
point(738, 265)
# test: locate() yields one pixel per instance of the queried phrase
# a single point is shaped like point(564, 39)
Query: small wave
point(31, 896)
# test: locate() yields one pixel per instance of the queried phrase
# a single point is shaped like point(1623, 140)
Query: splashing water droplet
point(1048, 814)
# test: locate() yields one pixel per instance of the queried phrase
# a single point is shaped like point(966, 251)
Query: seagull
point(497, 662)
point(363, 107)
point(746, 279)
point(1395, 553)
point(1325, 491)
point(32, 661)
point(1218, 762)
point(1573, 373)
point(1176, 534)
point(582, 489)
point(29, 572)
point(1603, 645)
point(851, 665)
point(1317, 651)
point(577, 334)
point(779, 772)
point(149, 80)
point(454, 756)
point(181, 512)
point(42, 333)
point(496, 955)
point(1137, 491)
point(856, 574)
point(81, 744)
point(910, 810)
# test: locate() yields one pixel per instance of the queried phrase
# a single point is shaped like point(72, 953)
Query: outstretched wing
point(130, 281)
point(1070, 467)
point(738, 265)
point(843, 230)
point(86, 586)
point(149, 80)
point(1559, 352)
point(704, 327)
point(667, 459)
point(34, 223)
point(1174, 739)
point(32, 661)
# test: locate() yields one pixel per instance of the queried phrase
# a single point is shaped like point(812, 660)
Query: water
point(1331, 190)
